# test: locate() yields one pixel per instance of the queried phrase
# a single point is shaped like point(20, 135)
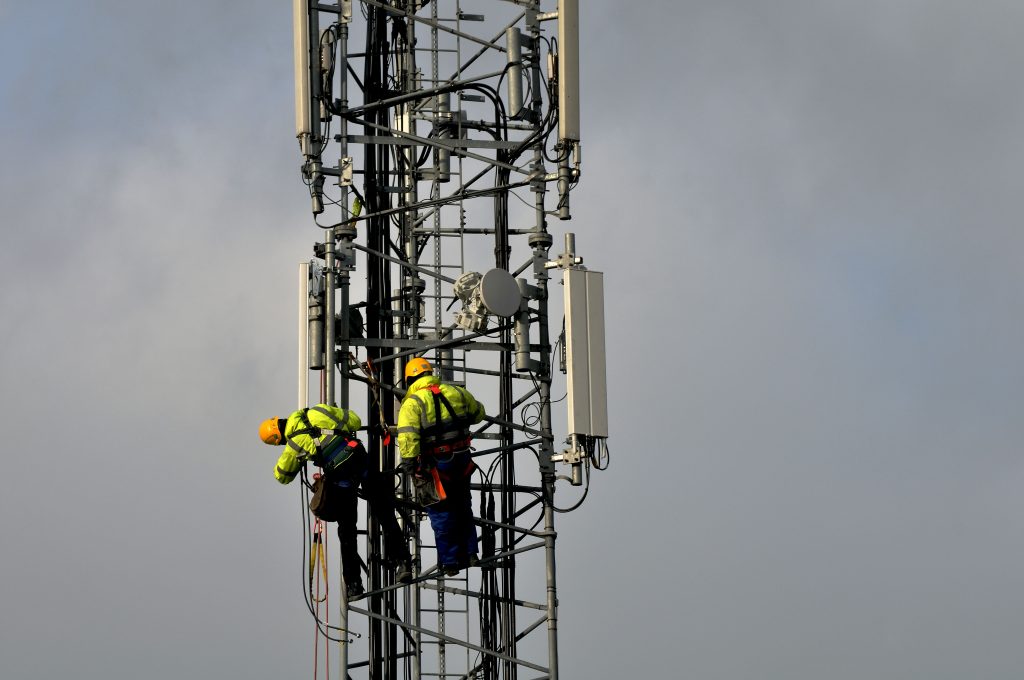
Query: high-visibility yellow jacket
point(419, 425)
point(304, 441)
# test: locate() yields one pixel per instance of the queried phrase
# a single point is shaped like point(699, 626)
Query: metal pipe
point(303, 396)
point(344, 640)
point(344, 346)
point(330, 350)
point(541, 242)
point(552, 593)
point(513, 41)
point(341, 49)
point(564, 181)
point(522, 331)
point(315, 316)
point(345, 10)
point(446, 367)
point(443, 120)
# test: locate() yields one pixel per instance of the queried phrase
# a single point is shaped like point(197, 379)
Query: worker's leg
point(380, 497)
point(446, 537)
point(457, 473)
point(348, 516)
point(461, 499)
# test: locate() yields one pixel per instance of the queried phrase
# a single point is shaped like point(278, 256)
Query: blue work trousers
point(452, 518)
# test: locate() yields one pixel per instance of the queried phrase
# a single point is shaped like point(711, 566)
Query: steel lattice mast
point(438, 138)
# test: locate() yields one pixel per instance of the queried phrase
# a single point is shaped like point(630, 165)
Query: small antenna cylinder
point(447, 361)
point(444, 123)
point(513, 43)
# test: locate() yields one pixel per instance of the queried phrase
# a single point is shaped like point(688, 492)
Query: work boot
point(450, 569)
point(474, 560)
point(403, 574)
point(354, 589)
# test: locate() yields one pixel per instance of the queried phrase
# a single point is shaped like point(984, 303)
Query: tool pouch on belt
point(427, 485)
point(324, 503)
point(325, 500)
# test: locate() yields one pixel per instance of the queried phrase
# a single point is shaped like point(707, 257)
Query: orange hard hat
point(270, 431)
point(417, 367)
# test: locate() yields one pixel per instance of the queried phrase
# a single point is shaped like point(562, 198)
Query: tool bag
point(427, 486)
point(325, 502)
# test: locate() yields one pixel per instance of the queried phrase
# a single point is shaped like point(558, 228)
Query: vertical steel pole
point(541, 242)
point(303, 396)
point(330, 348)
point(343, 637)
point(348, 235)
point(342, 74)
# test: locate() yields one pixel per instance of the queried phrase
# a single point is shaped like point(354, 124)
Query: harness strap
point(309, 429)
point(441, 438)
point(444, 449)
point(458, 422)
point(328, 435)
point(322, 437)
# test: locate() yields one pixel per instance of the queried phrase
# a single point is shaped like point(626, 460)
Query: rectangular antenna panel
point(569, 69)
point(584, 353)
point(300, 30)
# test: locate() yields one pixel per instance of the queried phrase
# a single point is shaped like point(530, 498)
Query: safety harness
point(334, 446)
point(444, 438)
point(440, 440)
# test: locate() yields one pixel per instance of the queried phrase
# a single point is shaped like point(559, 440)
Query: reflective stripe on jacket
point(419, 427)
point(303, 440)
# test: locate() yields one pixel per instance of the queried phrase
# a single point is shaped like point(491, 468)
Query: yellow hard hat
point(417, 367)
point(270, 431)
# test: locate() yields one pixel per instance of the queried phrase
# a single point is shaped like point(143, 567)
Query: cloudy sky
point(809, 218)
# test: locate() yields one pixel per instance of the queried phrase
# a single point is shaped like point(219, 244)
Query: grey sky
point(809, 218)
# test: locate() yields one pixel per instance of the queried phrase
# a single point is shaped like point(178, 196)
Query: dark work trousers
point(380, 498)
point(452, 518)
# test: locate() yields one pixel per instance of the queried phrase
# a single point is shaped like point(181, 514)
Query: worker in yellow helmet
point(433, 432)
point(325, 435)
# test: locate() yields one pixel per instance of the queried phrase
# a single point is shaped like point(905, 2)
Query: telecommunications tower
point(440, 141)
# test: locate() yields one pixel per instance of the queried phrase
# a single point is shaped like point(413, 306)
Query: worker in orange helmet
point(325, 435)
point(433, 433)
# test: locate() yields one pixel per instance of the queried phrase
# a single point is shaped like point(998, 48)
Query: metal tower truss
point(438, 140)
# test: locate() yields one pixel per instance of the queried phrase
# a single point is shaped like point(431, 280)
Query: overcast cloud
point(809, 218)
